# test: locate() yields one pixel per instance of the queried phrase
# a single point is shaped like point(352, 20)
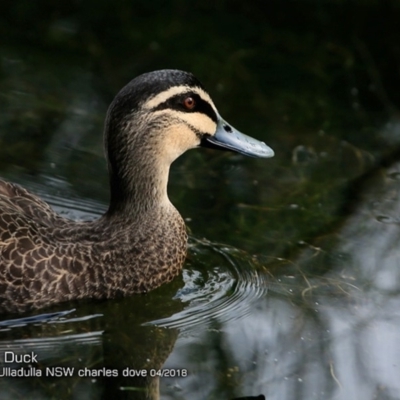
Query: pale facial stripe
point(198, 121)
point(176, 90)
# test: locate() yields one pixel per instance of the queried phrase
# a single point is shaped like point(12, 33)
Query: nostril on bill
point(227, 128)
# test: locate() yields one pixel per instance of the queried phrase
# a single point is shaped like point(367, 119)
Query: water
point(291, 285)
point(244, 323)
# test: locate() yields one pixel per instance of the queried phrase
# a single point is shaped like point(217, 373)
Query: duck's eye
point(189, 103)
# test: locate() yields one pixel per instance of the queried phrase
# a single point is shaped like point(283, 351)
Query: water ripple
point(224, 292)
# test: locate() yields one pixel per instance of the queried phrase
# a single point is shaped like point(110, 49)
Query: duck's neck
point(140, 187)
point(138, 170)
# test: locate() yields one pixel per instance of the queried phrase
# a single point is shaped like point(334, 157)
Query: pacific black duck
point(140, 242)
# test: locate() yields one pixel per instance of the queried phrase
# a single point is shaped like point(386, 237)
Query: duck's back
point(16, 200)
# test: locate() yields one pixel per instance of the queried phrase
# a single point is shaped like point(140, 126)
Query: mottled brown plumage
point(140, 242)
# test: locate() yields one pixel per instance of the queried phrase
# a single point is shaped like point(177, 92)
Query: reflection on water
point(314, 336)
point(41, 318)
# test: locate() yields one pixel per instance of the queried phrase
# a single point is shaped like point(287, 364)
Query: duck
point(140, 242)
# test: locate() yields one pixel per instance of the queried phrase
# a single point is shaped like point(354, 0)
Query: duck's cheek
point(178, 139)
point(198, 122)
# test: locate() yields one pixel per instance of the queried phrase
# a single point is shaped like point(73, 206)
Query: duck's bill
point(228, 138)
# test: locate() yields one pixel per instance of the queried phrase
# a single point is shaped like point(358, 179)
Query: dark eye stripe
point(175, 103)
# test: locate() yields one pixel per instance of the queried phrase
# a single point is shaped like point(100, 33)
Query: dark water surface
point(291, 288)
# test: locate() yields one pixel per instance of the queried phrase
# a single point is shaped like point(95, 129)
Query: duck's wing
point(16, 198)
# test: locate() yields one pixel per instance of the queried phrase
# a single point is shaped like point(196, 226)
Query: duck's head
point(161, 114)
